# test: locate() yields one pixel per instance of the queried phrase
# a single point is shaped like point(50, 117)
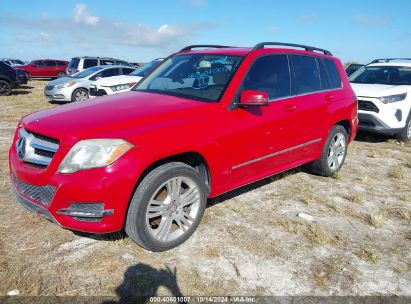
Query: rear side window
point(122, 63)
point(325, 84)
point(88, 63)
point(110, 72)
point(270, 74)
point(50, 63)
point(61, 63)
point(74, 63)
point(333, 75)
point(126, 71)
point(106, 62)
point(306, 74)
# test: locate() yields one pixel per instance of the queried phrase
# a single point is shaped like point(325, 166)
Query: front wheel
point(167, 207)
point(405, 134)
point(333, 153)
point(79, 95)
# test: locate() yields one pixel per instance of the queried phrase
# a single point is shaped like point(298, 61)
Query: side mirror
point(253, 98)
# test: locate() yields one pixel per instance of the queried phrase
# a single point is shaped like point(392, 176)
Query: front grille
point(100, 92)
point(41, 194)
point(36, 149)
point(49, 88)
point(366, 105)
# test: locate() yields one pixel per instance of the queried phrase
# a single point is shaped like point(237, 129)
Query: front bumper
point(371, 123)
point(58, 94)
point(110, 187)
point(15, 85)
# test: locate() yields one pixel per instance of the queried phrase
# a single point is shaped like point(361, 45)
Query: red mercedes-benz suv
point(204, 122)
point(46, 68)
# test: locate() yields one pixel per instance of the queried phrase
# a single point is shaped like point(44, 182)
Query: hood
point(116, 80)
point(63, 80)
point(114, 116)
point(378, 90)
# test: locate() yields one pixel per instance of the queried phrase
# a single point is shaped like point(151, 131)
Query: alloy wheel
point(80, 95)
point(173, 208)
point(4, 88)
point(336, 151)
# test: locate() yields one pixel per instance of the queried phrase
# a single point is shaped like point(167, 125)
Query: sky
point(139, 31)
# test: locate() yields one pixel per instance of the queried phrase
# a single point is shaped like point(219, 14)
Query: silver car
point(76, 87)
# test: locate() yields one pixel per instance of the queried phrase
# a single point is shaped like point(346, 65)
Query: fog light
point(86, 211)
point(398, 115)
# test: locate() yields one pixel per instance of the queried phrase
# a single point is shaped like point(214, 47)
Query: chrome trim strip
point(276, 153)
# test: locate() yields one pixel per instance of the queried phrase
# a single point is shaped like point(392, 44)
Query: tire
point(5, 88)
point(79, 95)
point(405, 134)
point(334, 151)
point(61, 74)
point(158, 218)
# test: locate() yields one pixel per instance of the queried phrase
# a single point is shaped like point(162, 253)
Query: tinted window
point(88, 63)
point(39, 63)
point(109, 73)
point(325, 84)
point(74, 63)
point(60, 63)
point(50, 63)
point(390, 75)
point(333, 75)
point(87, 72)
point(307, 78)
point(270, 74)
point(106, 62)
point(126, 71)
point(147, 68)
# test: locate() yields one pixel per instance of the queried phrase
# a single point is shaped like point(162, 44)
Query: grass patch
point(337, 176)
point(287, 225)
point(376, 220)
point(355, 198)
point(368, 254)
point(212, 252)
point(317, 235)
point(397, 172)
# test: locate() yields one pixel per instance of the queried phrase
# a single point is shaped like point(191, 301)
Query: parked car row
point(96, 81)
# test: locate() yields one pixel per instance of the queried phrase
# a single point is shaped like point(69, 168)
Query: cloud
point(31, 38)
point(309, 18)
point(81, 15)
point(365, 20)
point(196, 3)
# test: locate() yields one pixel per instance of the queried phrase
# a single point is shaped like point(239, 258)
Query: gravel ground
point(250, 241)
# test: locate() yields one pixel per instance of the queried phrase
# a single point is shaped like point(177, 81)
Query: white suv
point(124, 83)
point(383, 88)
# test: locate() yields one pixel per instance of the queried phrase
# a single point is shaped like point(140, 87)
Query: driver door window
point(270, 74)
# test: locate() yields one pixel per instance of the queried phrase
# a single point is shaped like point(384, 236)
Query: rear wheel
point(405, 134)
point(5, 88)
point(333, 154)
point(79, 95)
point(166, 207)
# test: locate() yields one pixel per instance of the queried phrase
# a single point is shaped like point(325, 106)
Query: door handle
point(329, 97)
point(290, 108)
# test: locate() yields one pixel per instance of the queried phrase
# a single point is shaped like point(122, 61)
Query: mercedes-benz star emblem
point(21, 148)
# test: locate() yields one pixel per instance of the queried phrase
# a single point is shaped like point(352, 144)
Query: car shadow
point(369, 137)
point(141, 282)
point(20, 92)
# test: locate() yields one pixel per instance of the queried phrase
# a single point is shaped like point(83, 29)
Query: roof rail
point(194, 46)
point(306, 47)
point(387, 60)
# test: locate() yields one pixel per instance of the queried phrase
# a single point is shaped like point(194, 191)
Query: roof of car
point(96, 57)
point(243, 51)
point(392, 63)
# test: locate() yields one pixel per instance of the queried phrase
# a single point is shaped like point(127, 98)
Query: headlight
point(65, 85)
point(121, 87)
point(393, 98)
point(93, 153)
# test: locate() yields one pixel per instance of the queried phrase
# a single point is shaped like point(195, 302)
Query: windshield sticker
point(208, 73)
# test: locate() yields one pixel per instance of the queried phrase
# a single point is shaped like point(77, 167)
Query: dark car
point(8, 79)
point(352, 68)
point(46, 68)
point(22, 76)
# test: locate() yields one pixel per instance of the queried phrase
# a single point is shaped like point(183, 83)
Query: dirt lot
point(250, 242)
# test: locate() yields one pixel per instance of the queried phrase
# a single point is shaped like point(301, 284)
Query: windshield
point(87, 72)
point(389, 75)
point(196, 76)
point(145, 69)
point(74, 63)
